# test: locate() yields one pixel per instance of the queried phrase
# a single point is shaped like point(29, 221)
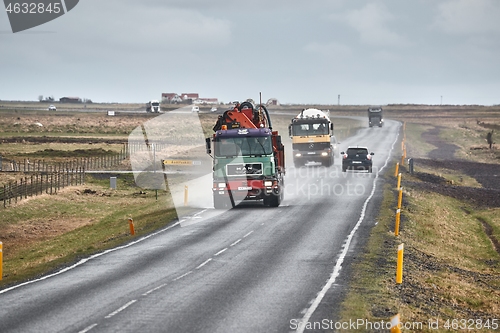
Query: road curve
point(250, 269)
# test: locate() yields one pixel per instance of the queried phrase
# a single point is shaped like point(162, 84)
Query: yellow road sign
point(181, 162)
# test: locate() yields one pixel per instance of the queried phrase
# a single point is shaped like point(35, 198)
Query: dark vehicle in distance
point(375, 117)
point(357, 158)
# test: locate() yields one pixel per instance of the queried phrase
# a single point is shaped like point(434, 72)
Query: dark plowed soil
point(444, 151)
point(488, 175)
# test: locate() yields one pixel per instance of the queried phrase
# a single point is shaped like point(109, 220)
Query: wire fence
point(51, 176)
point(37, 184)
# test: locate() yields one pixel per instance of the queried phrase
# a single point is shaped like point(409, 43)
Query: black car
point(357, 158)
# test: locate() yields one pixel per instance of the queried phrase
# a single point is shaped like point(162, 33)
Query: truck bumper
point(230, 194)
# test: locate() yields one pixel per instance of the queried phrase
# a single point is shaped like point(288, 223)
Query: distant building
point(273, 101)
point(190, 96)
point(206, 101)
point(171, 98)
point(70, 100)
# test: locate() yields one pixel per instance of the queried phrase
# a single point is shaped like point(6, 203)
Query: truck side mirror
point(331, 127)
point(280, 144)
point(208, 146)
point(290, 130)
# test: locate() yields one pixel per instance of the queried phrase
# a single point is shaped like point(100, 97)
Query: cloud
point(332, 49)
point(464, 17)
point(371, 22)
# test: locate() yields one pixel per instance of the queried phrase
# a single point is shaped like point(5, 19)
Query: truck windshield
point(244, 146)
point(156, 104)
point(310, 129)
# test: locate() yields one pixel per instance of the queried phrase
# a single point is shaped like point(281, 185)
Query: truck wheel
point(344, 169)
point(219, 202)
point(370, 169)
point(329, 162)
point(274, 201)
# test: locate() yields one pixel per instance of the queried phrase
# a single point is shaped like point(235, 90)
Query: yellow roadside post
point(1, 260)
point(398, 219)
point(185, 195)
point(400, 197)
point(399, 181)
point(395, 324)
point(402, 160)
point(131, 226)
point(399, 269)
point(396, 171)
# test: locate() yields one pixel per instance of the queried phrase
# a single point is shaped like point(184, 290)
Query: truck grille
point(244, 169)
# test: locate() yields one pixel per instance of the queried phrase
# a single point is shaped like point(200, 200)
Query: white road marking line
point(220, 252)
point(154, 289)
point(203, 211)
point(251, 232)
point(183, 275)
point(85, 330)
point(204, 263)
point(83, 261)
point(121, 309)
point(239, 240)
point(338, 264)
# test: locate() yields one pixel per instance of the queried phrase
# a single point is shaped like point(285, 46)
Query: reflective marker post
point(1, 260)
point(399, 269)
point(395, 324)
point(398, 219)
point(400, 197)
point(131, 226)
point(396, 171)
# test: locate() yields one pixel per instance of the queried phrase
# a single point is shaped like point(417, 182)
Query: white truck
point(153, 106)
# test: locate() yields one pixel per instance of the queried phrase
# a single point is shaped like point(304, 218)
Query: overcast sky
point(368, 52)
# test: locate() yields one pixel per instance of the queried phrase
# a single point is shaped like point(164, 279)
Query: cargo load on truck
point(311, 132)
point(248, 158)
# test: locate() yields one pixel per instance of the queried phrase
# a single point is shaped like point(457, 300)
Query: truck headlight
point(324, 153)
point(221, 185)
point(298, 155)
point(268, 183)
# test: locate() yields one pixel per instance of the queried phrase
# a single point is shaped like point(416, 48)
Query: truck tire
point(329, 162)
point(272, 200)
point(220, 202)
point(298, 163)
